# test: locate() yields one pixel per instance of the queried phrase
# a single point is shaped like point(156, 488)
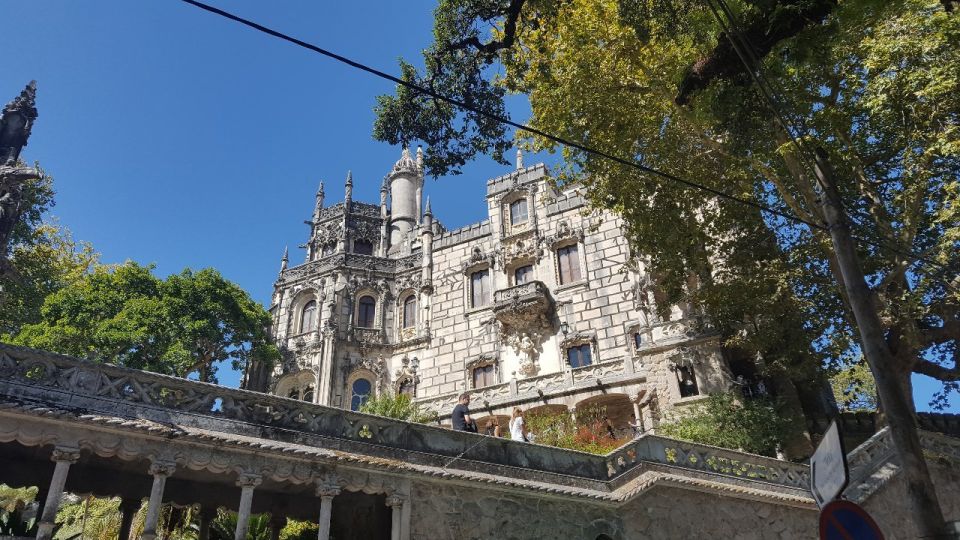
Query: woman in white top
point(518, 430)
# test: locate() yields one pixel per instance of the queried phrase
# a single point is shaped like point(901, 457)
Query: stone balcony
point(525, 306)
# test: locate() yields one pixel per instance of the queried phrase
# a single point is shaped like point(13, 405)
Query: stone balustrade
point(41, 378)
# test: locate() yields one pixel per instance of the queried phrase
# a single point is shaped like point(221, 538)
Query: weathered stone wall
point(890, 506)
point(448, 512)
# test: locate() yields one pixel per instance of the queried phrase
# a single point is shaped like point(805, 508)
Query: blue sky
point(179, 138)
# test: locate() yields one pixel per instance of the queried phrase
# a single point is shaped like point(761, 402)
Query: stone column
point(206, 516)
point(160, 471)
point(277, 522)
point(63, 457)
point(395, 502)
point(326, 491)
point(128, 509)
point(246, 482)
point(637, 416)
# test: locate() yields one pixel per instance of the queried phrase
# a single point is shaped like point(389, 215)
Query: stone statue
point(15, 125)
point(527, 351)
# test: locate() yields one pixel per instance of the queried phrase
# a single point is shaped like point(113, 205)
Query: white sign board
point(828, 467)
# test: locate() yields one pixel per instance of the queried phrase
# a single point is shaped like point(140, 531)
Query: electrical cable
point(534, 131)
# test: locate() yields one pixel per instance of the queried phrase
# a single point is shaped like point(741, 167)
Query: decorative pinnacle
point(427, 210)
point(404, 165)
point(285, 259)
point(349, 178)
point(420, 157)
point(519, 159)
point(320, 189)
point(25, 103)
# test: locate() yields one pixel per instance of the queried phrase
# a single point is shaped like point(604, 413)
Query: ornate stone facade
point(545, 292)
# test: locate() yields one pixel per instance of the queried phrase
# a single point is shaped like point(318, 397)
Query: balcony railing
point(30, 378)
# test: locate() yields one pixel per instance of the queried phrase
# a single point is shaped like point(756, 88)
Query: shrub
point(753, 425)
point(587, 434)
point(398, 406)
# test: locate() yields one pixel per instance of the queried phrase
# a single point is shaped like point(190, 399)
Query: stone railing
point(709, 459)
point(524, 308)
point(530, 388)
point(529, 290)
point(33, 378)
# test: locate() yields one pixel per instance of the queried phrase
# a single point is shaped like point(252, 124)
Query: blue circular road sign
point(844, 520)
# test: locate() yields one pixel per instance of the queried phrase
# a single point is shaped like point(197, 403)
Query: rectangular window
point(579, 355)
point(522, 275)
point(480, 288)
point(568, 262)
point(410, 312)
point(484, 376)
point(637, 340)
point(518, 212)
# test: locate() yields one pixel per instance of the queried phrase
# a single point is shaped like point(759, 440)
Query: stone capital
point(65, 453)
point(328, 486)
point(247, 480)
point(162, 468)
point(395, 500)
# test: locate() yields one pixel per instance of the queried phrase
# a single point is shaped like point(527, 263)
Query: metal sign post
point(828, 467)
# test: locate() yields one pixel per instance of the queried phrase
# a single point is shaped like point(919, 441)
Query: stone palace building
point(541, 305)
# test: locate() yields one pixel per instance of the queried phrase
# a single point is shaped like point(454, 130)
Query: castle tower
point(405, 183)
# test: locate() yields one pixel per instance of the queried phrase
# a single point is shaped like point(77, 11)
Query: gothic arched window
point(410, 311)
point(360, 393)
point(406, 387)
point(366, 311)
point(308, 318)
point(363, 247)
point(308, 393)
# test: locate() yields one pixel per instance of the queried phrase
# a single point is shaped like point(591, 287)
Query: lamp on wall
point(564, 328)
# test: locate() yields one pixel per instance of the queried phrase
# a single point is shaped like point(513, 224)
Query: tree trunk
point(889, 376)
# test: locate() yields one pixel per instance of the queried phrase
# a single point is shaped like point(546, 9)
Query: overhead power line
point(506, 121)
point(534, 131)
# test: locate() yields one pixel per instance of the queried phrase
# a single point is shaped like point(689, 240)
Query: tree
point(854, 389)
point(48, 260)
point(874, 83)
point(398, 406)
point(180, 326)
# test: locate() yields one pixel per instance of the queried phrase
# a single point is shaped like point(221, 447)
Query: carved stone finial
point(404, 165)
point(16, 123)
point(285, 259)
point(427, 210)
point(349, 178)
point(519, 159)
point(420, 158)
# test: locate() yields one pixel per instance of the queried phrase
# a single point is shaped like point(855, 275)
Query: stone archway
point(617, 407)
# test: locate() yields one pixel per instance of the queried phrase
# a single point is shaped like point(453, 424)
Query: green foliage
point(89, 517)
point(178, 326)
point(854, 388)
point(875, 84)
point(37, 200)
point(13, 502)
point(224, 526)
point(48, 261)
point(588, 434)
point(757, 426)
point(398, 406)
point(299, 530)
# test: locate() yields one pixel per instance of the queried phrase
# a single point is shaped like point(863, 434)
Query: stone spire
point(420, 159)
point(519, 159)
point(319, 204)
point(16, 123)
point(348, 189)
point(426, 211)
point(285, 259)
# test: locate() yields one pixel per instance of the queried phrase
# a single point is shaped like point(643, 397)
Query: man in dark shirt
point(461, 415)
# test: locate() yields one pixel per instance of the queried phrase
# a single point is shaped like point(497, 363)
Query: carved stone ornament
point(522, 249)
point(406, 372)
point(528, 347)
point(395, 500)
point(70, 455)
point(523, 308)
point(565, 233)
point(162, 468)
point(478, 257)
point(366, 229)
point(249, 480)
point(409, 281)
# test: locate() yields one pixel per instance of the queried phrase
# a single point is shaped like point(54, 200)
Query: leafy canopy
point(182, 325)
point(873, 82)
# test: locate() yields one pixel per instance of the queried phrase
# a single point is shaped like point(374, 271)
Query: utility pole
point(890, 377)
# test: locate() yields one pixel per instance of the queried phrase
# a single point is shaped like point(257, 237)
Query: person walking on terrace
point(518, 429)
point(461, 415)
